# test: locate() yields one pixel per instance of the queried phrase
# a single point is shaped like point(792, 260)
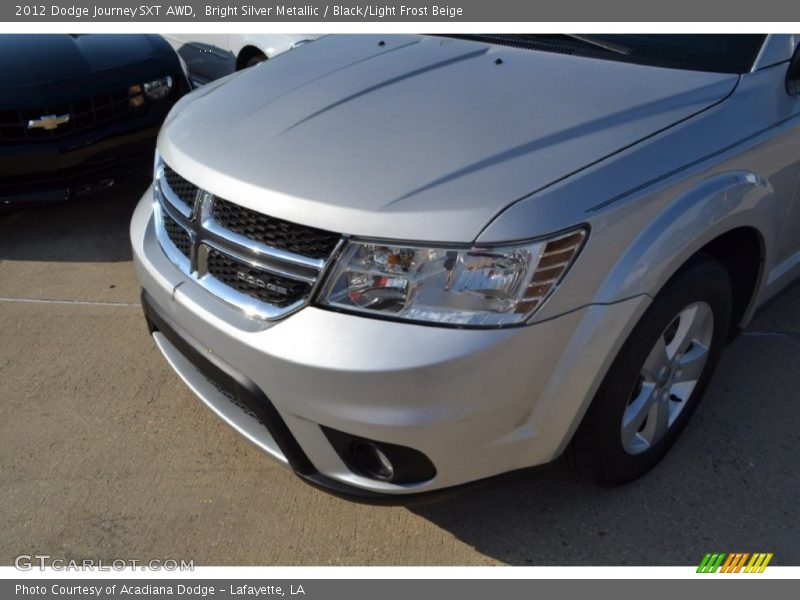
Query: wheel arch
point(246, 53)
point(733, 216)
point(727, 216)
point(742, 252)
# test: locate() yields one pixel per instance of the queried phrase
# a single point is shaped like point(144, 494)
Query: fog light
point(373, 461)
point(380, 460)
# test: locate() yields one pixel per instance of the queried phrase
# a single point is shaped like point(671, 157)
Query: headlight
point(158, 88)
point(477, 287)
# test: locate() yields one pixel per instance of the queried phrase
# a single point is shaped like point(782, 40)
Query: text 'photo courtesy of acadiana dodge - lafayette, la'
point(228, 11)
point(146, 589)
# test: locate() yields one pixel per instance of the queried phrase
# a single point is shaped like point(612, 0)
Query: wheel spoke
point(693, 363)
point(646, 435)
point(655, 361)
point(657, 422)
point(681, 391)
point(684, 335)
point(662, 420)
point(637, 411)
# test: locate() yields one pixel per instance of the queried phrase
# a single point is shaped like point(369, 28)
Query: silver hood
point(417, 138)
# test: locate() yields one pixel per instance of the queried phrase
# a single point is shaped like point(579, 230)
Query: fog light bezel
point(372, 460)
point(409, 466)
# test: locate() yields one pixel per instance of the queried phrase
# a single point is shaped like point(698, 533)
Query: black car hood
point(39, 59)
point(43, 72)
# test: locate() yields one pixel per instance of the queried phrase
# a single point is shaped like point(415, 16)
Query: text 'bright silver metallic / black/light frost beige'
point(401, 265)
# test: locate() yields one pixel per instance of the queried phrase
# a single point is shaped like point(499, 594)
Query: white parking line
point(79, 302)
point(771, 333)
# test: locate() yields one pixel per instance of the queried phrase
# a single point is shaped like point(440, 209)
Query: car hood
point(418, 138)
point(46, 72)
point(40, 59)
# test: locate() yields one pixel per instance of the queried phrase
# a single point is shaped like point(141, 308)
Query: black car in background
point(79, 113)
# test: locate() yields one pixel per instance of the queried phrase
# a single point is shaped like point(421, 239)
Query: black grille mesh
point(264, 286)
point(84, 114)
point(177, 234)
point(299, 239)
point(184, 190)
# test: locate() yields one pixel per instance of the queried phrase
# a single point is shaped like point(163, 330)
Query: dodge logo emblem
point(260, 283)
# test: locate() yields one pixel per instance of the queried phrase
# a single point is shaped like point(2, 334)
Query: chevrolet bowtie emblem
point(48, 122)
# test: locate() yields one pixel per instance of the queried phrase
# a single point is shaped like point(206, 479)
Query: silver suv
point(401, 264)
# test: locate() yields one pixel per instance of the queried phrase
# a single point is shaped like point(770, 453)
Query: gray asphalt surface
point(105, 454)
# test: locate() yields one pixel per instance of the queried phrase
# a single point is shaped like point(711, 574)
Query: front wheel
point(254, 59)
point(658, 377)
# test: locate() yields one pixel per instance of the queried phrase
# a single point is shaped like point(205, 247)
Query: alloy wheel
point(668, 377)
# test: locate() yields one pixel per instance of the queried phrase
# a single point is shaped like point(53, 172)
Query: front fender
point(697, 216)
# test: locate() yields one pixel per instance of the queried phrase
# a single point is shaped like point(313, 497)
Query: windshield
point(699, 52)
point(721, 53)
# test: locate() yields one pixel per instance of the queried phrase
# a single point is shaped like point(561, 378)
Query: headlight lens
point(478, 287)
point(158, 88)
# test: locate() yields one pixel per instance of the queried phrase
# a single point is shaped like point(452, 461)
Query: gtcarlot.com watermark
point(29, 562)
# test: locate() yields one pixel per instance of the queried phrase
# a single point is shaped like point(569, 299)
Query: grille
point(183, 189)
point(83, 114)
point(264, 266)
point(299, 239)
point(177, 235)
point(256, 283)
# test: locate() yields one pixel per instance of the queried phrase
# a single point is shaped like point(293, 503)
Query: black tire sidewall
point(254, 60)
point(598, 450)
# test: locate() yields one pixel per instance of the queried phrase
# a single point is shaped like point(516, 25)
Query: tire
point(254, 59)
point(605, 452)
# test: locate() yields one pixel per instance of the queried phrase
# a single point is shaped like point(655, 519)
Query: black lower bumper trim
point(249, 394)
point(231, 381)
point(40, 174)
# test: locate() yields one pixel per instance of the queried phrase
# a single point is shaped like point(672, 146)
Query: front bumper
point(477, 403)
point(41, 172)
point(239, 402)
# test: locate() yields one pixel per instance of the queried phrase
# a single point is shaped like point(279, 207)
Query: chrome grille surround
point(207, 235)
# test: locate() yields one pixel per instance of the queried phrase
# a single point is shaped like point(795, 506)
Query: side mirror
point(793, 74)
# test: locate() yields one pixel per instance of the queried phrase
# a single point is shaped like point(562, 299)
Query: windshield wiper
point(610, 46)
point(555, 42)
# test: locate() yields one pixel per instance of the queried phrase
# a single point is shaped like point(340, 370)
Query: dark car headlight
point(158, 88)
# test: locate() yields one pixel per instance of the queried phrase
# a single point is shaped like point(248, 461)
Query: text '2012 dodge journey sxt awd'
point(401, 264)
